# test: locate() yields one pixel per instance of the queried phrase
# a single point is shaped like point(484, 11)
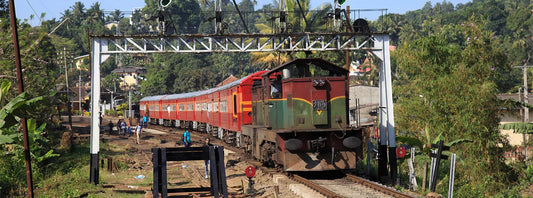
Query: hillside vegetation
point(451, 62)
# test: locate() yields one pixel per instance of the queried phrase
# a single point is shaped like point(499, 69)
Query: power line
point(34, 11)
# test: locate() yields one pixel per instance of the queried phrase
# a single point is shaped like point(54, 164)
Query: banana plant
point(11, 112)
point(10, 116)
point(425, 144)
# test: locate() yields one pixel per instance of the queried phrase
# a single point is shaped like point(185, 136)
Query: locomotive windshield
point(309, 69)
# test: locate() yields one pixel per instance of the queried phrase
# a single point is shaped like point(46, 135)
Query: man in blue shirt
point(145, 121)
point(187, 139)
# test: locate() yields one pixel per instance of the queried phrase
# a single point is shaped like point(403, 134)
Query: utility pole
point(525, 117)
point(20, 79)
point(79, 95)
point(68, 91)
point(348, 61)
point(129, 102)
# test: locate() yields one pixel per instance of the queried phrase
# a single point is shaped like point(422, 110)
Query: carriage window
point(190, 107)
point(198, 107)
point(204, 106)
point(156, 107)
point(182, 107)
point(223, 106)
point(210, 107)
point(215, 107)
point(173, 107)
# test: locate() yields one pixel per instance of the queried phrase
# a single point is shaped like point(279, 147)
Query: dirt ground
point(133, 167)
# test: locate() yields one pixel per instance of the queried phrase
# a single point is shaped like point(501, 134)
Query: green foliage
point(518, 127)
point(12, 160)
point(529, 173)
point(122, 107)
point(448, 91)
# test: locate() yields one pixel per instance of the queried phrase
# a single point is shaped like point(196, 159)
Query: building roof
point(228, 80)
point(129, 70)
point(516, 97)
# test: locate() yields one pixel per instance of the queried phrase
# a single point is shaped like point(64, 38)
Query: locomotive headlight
point(351, 142)
point(321, 82)
point(293, 144)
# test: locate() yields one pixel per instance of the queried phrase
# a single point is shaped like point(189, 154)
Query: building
point(363, 105)
point(129, 75)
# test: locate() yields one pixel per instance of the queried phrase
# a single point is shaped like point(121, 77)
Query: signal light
point(341, 1)
point(165, 3)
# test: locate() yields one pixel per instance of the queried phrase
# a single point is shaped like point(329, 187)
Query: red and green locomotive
point(295, 115)
point(300, 112)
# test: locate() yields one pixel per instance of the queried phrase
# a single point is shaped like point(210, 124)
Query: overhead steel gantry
point(377, 43)
point(195, 43)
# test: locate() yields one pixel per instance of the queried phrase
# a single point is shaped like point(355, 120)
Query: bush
point(111, 112)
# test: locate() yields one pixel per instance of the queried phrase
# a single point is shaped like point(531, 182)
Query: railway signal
point(250, 172)
point(400, 152)
point(165, 3)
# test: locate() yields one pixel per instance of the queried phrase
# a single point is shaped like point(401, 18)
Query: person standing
point(138, 133)
point(123, 127)
point(187, 139)
point(119, 122)
point(207, 143)
point(110, 125)
point(145, 121)
point(129, 130)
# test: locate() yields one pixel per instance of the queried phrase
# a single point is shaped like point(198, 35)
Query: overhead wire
point(41, 20)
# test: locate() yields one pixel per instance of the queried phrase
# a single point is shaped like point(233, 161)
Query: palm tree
point(78, 12)
point(314, 20)
point(117, 15)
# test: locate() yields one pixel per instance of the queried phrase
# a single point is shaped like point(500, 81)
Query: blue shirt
point(187, 136)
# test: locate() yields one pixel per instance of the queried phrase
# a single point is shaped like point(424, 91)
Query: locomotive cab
point(304, 94)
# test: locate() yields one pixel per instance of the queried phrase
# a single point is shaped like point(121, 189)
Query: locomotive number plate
point(319, 105)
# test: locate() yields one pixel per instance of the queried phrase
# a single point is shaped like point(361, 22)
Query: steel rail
point(316, 187)
point(378, 187)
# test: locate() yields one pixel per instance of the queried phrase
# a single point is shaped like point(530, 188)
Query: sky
point(54, 8)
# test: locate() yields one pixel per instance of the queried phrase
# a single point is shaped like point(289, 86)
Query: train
point(294, 116)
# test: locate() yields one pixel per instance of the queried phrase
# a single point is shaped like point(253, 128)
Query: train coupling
point(317, 144)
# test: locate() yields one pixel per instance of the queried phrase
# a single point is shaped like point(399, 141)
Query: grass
point(68, 174)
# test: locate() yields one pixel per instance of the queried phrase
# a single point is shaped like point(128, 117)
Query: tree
point(449, 89)
point(4, 9)
point(298, 20)
point(182, 17)
point(116, 15)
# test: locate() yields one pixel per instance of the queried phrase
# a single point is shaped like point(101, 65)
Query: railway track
point(349, 186)
point(344, 186)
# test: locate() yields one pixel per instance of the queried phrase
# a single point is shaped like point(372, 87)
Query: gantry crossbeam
point(195, 43)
